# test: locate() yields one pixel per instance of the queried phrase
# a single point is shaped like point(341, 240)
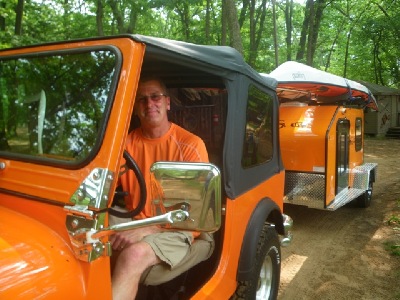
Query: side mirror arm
point(89, 243)
point(171, 217)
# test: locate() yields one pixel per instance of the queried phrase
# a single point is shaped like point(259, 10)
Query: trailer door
point(342, 157)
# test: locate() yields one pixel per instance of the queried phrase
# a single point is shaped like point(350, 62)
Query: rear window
point(257, 144)
point(53, 106)
point(359, 134)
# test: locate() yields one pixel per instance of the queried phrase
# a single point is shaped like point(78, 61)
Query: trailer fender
point(265, 211)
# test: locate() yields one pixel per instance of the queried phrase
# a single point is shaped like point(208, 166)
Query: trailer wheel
point(365, 199)
point(264, 282)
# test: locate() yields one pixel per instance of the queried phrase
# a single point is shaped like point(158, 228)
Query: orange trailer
point(322, 138)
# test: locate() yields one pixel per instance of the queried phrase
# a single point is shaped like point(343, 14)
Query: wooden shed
point(387, 118)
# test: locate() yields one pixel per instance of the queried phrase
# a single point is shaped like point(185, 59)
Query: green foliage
point(370, 29)
point(393, 246)
point(372, 51)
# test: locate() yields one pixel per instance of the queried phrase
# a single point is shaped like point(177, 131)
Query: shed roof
point(377, 89)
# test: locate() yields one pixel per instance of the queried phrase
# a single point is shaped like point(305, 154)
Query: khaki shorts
point(170, 246)
point(179, 252)
point(177, 249)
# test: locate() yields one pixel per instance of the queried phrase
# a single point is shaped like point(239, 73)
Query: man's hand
point(122, 239)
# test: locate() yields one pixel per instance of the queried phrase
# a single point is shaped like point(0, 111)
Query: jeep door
point(65, 111)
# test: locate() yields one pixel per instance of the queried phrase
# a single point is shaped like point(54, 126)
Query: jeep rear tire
point(264, 282)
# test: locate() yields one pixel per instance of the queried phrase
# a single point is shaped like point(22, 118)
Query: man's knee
point(138, 256)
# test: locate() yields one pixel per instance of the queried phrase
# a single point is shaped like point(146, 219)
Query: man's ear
point(168, 103)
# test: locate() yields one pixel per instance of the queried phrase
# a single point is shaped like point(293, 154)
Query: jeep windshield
point(53, 107)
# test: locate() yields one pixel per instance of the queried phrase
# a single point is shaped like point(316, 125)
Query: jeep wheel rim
point(265, 280)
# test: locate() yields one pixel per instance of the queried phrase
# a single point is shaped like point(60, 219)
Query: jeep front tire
point(264, 282)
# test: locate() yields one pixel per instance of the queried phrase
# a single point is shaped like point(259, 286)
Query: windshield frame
point(72, 164)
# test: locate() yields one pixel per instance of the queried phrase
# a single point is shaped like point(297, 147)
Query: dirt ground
point(341, 254)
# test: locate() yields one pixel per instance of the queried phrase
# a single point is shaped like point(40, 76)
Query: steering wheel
point(132, 165)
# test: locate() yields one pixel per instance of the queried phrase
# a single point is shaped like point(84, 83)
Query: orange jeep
point(66, 109)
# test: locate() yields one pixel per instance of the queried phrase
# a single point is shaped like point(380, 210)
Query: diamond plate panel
point(344, 197)
point(305, 189)
point(362, 175)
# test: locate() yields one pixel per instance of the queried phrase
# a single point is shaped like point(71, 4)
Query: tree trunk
point(257, 17)
point(375, 55)
point(378, 59)
point(19, 12)
point(233, 26)
point(243, 12)
point(261, 15)
point(99, 18)
point(132, 19)
point(183, 13)
point(2, 19)
point(275, 34)
point(392, 22)
point(289, 28)
point(304, 29)
point(224, 21)
point(117, 15)
point(207, 25)
point(346, 54)
point(351, 19)
point(310, 34)
point(328, 60)
point(66, 19)
point(318, 13)
point(252, 37)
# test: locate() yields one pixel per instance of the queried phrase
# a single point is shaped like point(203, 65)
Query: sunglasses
point(152, 97)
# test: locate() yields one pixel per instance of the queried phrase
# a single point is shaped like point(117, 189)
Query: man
point(157, 139)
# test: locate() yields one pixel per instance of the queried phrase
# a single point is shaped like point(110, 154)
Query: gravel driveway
point(341, 254)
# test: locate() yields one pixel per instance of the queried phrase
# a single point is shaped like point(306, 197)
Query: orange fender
point(35, 262)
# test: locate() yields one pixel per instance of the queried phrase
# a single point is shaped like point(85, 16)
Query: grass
point(394, 246)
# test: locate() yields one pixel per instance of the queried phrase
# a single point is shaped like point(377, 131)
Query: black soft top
point(181, 62)
point(218, 60)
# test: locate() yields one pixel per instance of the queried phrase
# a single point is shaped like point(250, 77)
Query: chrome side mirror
point(185, 196)
point(191, 187)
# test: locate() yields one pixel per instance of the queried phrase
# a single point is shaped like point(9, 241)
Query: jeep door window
point(257, 144)
point(52, 106)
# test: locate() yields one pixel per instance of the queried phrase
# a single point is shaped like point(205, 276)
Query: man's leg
point(131, 263)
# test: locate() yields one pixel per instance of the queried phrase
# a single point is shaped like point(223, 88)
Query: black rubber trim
point(265, 211)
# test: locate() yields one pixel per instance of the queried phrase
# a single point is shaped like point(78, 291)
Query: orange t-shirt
point(177, 144)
